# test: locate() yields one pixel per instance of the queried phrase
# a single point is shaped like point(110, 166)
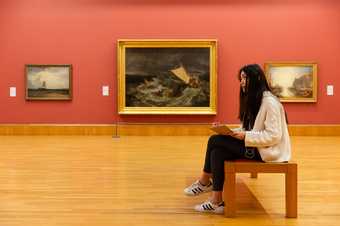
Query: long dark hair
point(251, 97)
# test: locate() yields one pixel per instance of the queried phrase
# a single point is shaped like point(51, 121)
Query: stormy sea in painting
point(167, 77)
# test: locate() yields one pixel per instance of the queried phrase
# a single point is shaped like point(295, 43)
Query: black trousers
point(221, 148)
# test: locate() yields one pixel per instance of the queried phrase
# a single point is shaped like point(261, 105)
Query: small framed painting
point(48, 82)
point(293, 81)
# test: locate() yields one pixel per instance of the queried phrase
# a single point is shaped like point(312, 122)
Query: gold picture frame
point(165, 76)
point(293, 81)
point(48, 82)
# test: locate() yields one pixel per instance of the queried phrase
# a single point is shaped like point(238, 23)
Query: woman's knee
point(214, 139)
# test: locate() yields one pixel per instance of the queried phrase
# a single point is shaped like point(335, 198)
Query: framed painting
point(48, 82)
point(167, 76)
point(293, 81)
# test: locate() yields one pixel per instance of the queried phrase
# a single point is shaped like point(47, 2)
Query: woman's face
point(243, 79)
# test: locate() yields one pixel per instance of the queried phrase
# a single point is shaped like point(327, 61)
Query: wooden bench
point(254, 167)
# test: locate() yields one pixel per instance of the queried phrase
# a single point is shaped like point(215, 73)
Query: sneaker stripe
point(210, 206)
point(205, 207)
point(199, 189)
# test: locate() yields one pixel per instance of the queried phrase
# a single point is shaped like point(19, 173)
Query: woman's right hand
point(238, 135)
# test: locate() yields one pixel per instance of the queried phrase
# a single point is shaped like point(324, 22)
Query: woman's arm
point(272, 132)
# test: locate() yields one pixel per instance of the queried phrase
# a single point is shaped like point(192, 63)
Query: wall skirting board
point(57, 129)
point(143, 129)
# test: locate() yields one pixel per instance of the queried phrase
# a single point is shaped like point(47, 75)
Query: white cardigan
point(270, 131)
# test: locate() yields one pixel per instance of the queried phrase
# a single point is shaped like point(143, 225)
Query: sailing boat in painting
point(182, 74)
point(48, 82)
point(43, 86)
point(192, 81)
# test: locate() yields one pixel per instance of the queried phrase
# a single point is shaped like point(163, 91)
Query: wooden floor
point(100, 181)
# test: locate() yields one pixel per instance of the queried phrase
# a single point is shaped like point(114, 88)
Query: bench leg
point(291, 191)
point(229, 194)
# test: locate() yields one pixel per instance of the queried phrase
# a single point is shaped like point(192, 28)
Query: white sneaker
point(209, 207)
point(197, 188)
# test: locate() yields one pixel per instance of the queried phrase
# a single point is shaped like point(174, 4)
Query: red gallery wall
point(84, 33)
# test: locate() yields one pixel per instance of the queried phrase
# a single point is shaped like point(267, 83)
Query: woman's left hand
point(239, 135)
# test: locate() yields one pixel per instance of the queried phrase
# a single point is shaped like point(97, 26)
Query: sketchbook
point(221, 129)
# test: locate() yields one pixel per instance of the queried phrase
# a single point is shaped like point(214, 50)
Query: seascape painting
point(48, 82)
point(166, 78)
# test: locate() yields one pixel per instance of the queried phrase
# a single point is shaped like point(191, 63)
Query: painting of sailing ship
point(293, 82)
point(48, 82)
point(168, 78)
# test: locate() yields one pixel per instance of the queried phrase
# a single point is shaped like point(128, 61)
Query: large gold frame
point(166, 43)
point(313, 98)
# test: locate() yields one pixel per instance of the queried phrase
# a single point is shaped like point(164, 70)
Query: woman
point(262, 137)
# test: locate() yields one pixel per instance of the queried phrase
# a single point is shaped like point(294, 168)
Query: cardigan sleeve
point(237, 129)
point(272, 132)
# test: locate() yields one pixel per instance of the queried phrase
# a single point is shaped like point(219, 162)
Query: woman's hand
point(214, 124)
point(239, 135)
